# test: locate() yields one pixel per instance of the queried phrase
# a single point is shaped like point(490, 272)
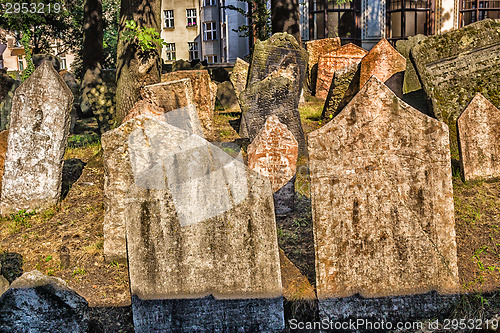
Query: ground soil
point(66, 240)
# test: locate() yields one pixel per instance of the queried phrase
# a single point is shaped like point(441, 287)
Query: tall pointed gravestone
point(39, 129)
point(201, 236)
point(239, 76)
point(387, 250)
point(315, 49)
point(479, 139)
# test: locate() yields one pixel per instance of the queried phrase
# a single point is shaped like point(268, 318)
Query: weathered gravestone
point(384, 62)
point(273, 95)
point(202, 94)
point(389, 243)
point(227, 96)
point(38, 59)
point(345, 85)
point(6, 106)
point(411, 82)
point(280, 52)
point(6, 83)
point(331, 62)
point(3, 150)
point(176, 98)
point(315, 49)
point(239, 75)
point(38, 303)
point(145, 108)
point(273, 153)
point(70, 80)
point(479, 139)
point(201, 236)
point(454, 66)
point(37, 140)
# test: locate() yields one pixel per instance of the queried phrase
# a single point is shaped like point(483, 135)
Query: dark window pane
point(395, 25)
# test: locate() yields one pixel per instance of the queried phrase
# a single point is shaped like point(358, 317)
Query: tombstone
point(38, 59)
point(317, 48)
point(3, 149)
point(239, 75)
point(37, 140)
point(296, 287)
point(6, 83)
point(479, 139)
point(411, 82)
point(273, 153)
point(454, 66)
point(387, 250)
point(176, 98)
point(216, 264)
point(329, 63)
point(383, 61)
point(6, 106)
point(345, 85)
point(280, 52)
point(227, 96)
point(38, 303)
point(70, 80)
point(145, 108)
point(202, 94)
point(271, 96)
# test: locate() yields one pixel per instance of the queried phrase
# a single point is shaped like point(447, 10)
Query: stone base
point(284, 198)
point(396, 308)
point(208, 314)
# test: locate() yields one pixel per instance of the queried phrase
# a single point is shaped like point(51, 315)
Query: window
point(20, 63)
point(209, 31)
point(335, 20)
point(170, 51)
point(191, 17)
point(408, 18)
point(193, 50)
point(169, 18)
point(209, 3)
point(476, 10)
point(63, 61)
point(211, 59)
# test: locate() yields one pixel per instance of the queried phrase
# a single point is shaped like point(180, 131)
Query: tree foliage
point(259, 17)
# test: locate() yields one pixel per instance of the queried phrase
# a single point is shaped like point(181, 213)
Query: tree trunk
point(285, 17)
point(134, 68)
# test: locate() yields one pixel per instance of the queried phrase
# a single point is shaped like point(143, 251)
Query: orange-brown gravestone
point(315, 49)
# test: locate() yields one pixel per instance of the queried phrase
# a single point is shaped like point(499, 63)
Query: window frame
point(169, 19)
point(192, 18)
point(212, 56)
point(429, 21)
point(193, 50)
point(478, 13)
point(20, 62)
point(170, 54)
point(208, 3)
point(212, 31)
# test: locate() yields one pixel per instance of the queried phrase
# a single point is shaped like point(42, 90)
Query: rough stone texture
point(296, 287)
point(227, 96)
point(385, 167)
point(6, 83)
point(37, 140)
point(239, 75)
point(38, 303)
point(202, 94)
point(231, 255)
point(6, 106)
point(280, 52)
point(317, 48)
point(331, 62)
point(176, 98)
point(344, 87)
point(70, 80)
point(454, 66)
point(145, 108)
point(411, 81)
point(479, 139)
point(383, 61)
point(4, 285)
point(273, 153)
point(3, 149)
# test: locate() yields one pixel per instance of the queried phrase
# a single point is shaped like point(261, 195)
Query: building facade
point(365, 22)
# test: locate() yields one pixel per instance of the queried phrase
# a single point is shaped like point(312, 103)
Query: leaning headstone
point(479, 139)
point(201, 237)
point(331, 62)
point(38, 134)
point(344, 87)
point(315, 49)
point(176, 98)
point(6, 106)
point(383, 61)
point(454, 66)
point(273, 153)
point(279, 52)
point(227, 96)
point(239, 75)
point(38, 303)
point(271, 96)
point(202, 95)
point(411, 82)
point(383, 216)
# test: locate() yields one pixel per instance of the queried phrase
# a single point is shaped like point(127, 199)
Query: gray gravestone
point(39, 129)
point(411, 82)
point(239, 75)
point(382, 205)
point(201, 236)
point(227, 96)
point(6, 106)
point(38, 303)
point(345, 85)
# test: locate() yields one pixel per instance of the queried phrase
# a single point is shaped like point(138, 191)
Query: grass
point(19, 221)
point(310, 112)
point(95, 248)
